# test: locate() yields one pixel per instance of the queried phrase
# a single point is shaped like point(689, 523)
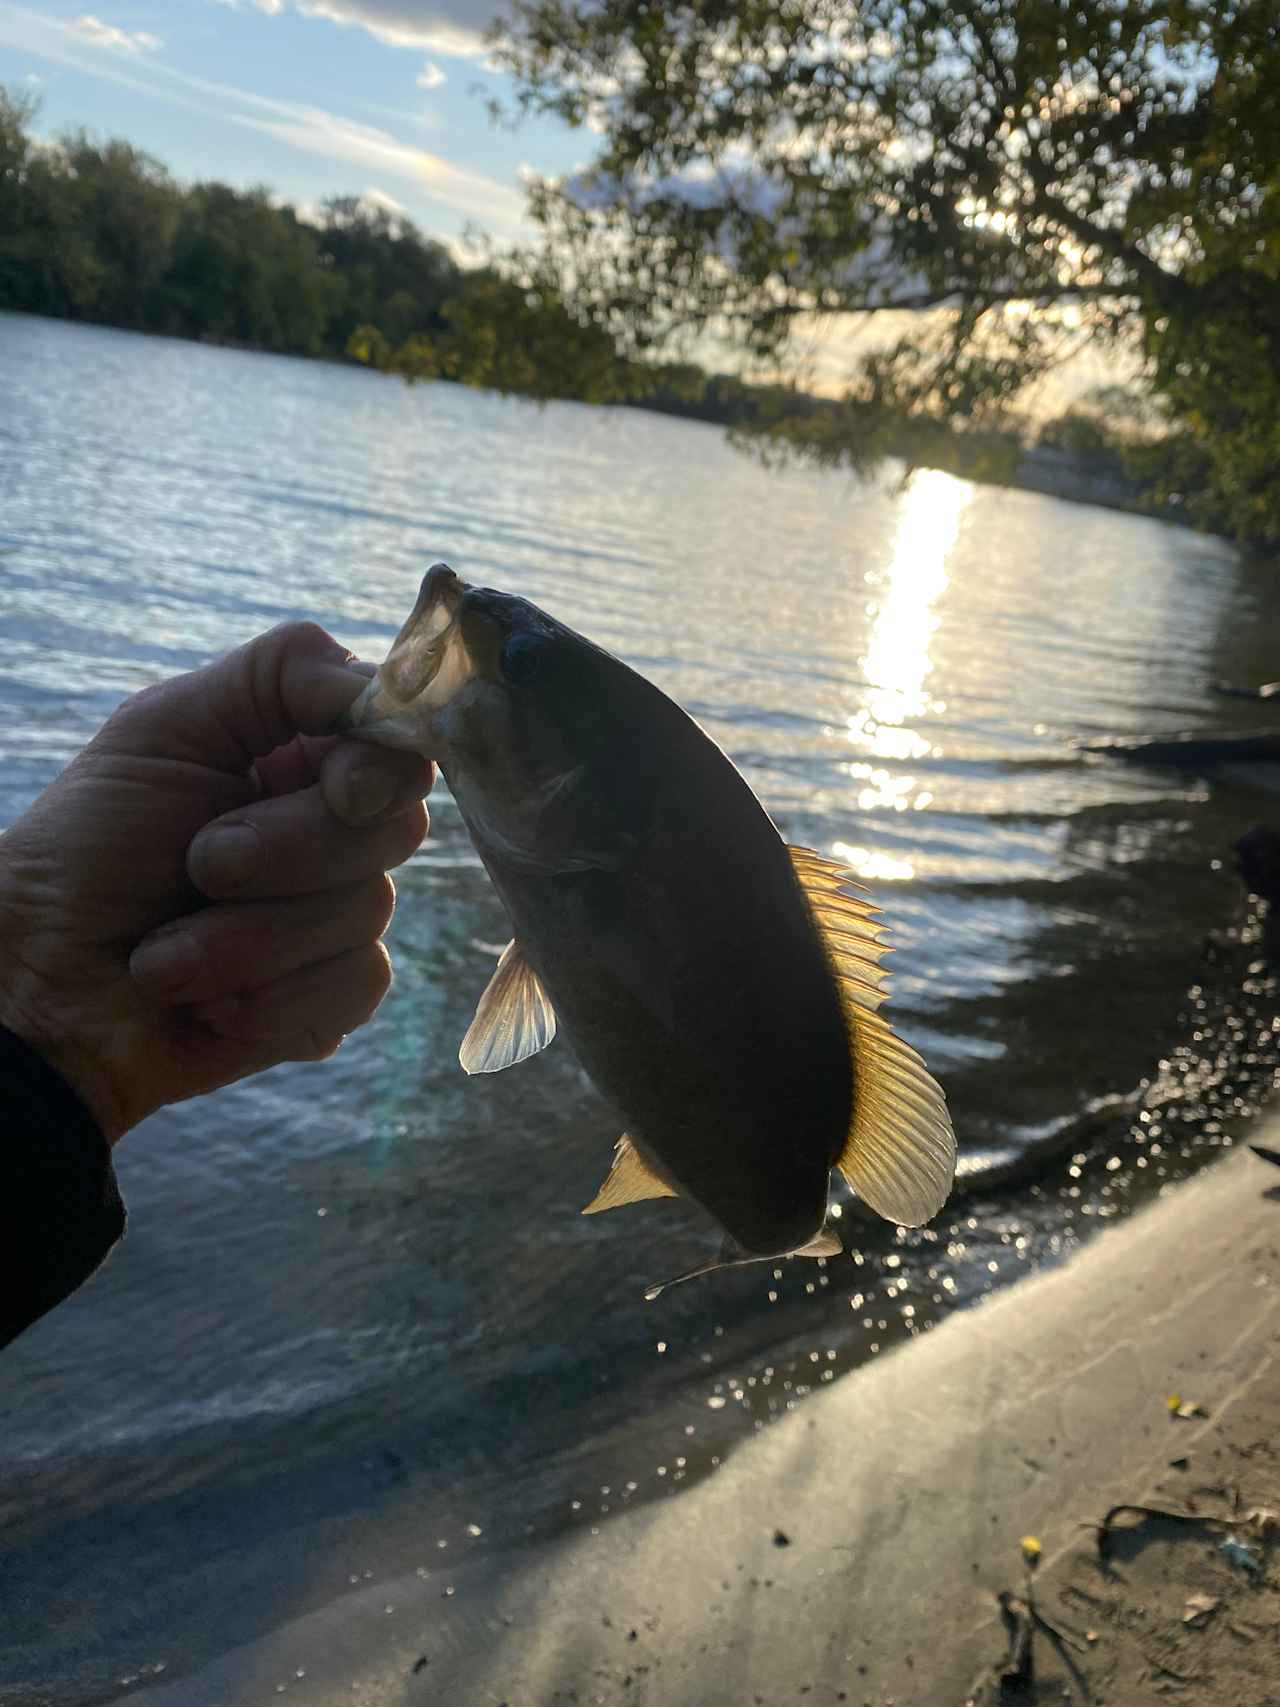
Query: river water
point(358, 1315)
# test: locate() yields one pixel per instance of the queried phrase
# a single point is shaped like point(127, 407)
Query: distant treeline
point(99, 231)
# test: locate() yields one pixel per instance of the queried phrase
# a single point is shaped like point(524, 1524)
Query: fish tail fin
point(900, 1151)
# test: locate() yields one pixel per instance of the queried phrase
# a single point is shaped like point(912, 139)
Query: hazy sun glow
point(897, 663)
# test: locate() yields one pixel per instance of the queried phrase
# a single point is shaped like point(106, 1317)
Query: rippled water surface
point(365, 1286)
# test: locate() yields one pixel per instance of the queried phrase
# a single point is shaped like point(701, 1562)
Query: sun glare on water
point(897, 662)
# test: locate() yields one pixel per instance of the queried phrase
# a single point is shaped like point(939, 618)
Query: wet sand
point(854, 1551)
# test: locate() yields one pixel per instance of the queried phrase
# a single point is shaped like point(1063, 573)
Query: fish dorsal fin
point(513, 1020)
point(847, 923)
point(900, 1151)
point(630, 1180)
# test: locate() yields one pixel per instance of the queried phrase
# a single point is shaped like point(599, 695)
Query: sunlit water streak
point(897, 663)
point(365, 1287)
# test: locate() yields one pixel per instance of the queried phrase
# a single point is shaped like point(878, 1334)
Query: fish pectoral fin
point(630, 1180)
point(900, 1152)
point(513, 1020)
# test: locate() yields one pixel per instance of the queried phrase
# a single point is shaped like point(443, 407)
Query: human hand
point(201, 893)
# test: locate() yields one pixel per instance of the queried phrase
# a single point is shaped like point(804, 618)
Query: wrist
point(43, 1003)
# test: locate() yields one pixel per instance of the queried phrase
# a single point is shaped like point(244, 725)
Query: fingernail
point(370, 790)
point(225, 857)
point(165, 963)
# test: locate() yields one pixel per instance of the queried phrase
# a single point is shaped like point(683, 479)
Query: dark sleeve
point(60, 1208)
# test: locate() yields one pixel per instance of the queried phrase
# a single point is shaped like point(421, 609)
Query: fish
point(721, 989)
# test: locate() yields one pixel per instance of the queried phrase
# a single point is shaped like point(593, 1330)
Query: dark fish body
point(723, 1048)
point(718, 987)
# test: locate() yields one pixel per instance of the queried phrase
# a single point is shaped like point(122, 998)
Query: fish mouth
point(426, 665)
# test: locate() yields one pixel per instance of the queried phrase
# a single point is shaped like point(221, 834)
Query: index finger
point(293, 680)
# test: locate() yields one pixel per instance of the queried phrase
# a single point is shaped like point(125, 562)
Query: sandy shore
point(854, 1552)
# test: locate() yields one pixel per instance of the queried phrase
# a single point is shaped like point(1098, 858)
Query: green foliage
point(508, 335)
point(1019, 177)
point(99, 231)
point(390, 273)
point(1077, 433)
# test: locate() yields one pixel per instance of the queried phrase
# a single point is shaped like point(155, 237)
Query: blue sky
point(311, 97)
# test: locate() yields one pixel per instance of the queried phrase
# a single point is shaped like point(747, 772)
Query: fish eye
point(520, 657)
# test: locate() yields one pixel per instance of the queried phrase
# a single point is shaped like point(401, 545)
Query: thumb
point(295, 679)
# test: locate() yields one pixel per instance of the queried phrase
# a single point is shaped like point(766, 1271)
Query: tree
point(15, 153)
point(123, 206)
point(390, 272)
point(506, 334)
point(243, 270)
point(99, 231)
point(994, 182)
point(47, 263)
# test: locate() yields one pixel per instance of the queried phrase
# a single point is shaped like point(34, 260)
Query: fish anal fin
point(900, 1151)
point(513, 1019)
point(630, 1180)
point(822, 1244)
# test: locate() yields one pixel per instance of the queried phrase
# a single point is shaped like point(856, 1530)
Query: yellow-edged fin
point(514, 1019)
point(900, 1153)
point(823, 1244)
point(630, 1180)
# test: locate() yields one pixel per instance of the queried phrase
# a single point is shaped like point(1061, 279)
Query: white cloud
point(388, 204)
point(455, 29)
point(489, 201)
point(431, 76)
point(337, 138)
point(110, 35)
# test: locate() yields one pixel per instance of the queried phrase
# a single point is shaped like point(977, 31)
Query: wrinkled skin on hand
point(202, 893)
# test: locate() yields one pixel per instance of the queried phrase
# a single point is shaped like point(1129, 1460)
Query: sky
point(380, 98)
point(311, 97)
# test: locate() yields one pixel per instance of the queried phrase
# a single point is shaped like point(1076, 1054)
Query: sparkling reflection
point(873, 863)
point(897, 662)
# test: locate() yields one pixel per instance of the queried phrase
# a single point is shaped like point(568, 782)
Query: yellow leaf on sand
point(1184, 1408)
